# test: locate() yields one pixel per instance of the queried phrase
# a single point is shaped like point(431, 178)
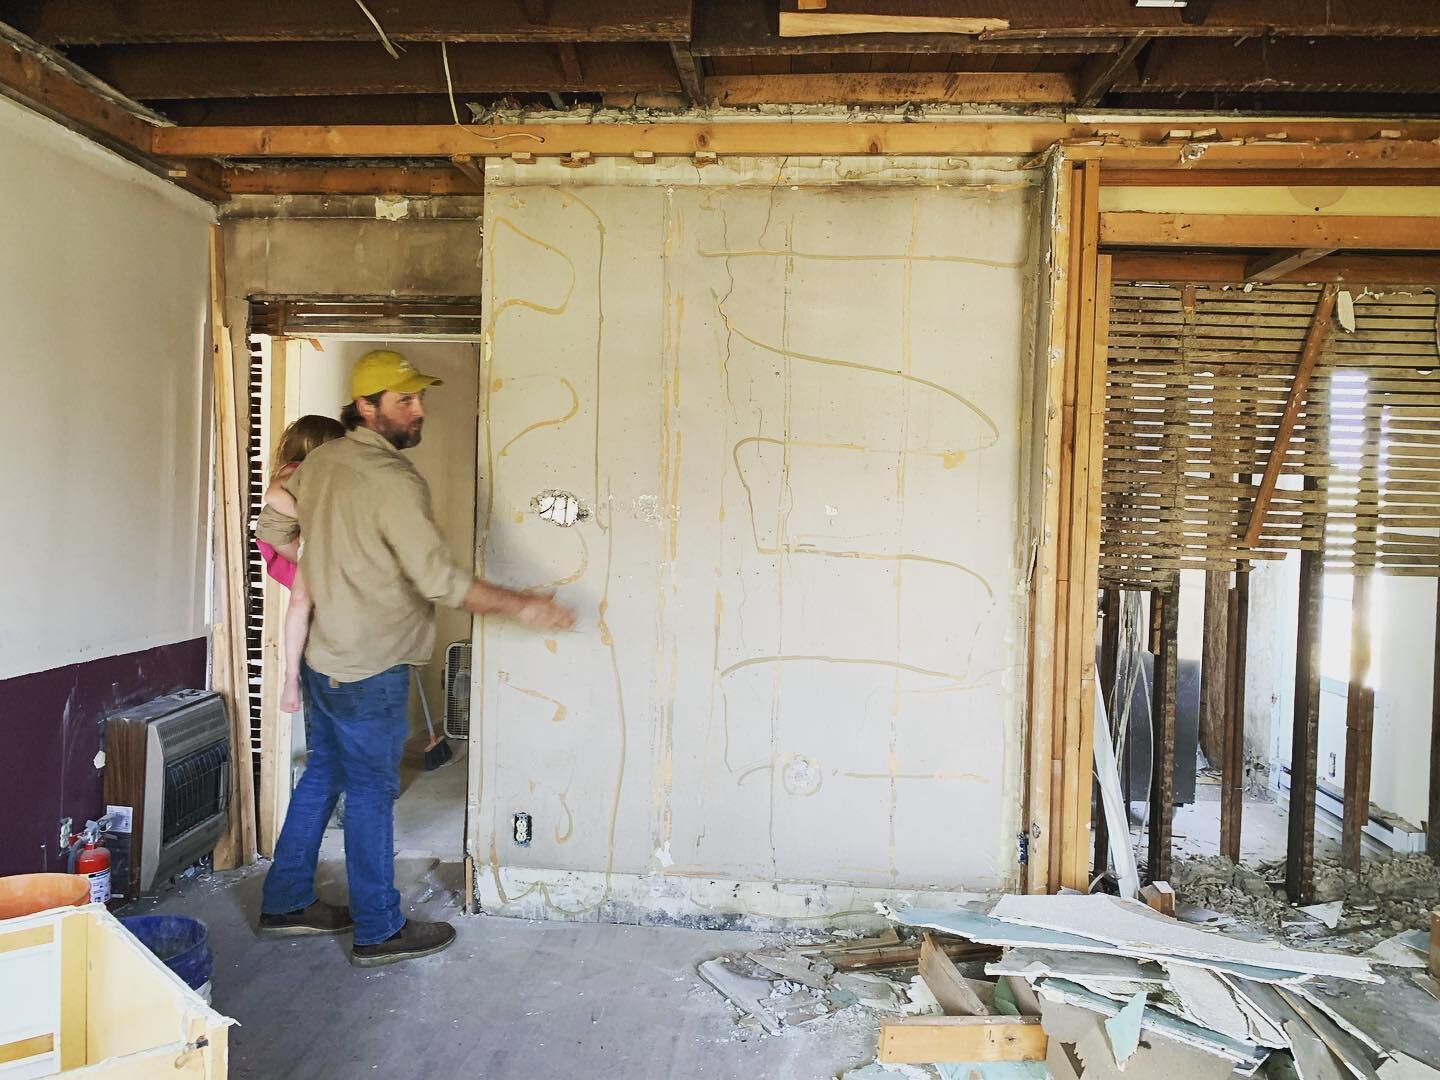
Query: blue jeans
point(356, 733)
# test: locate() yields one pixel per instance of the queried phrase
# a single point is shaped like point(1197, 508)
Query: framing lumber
point(226, 70)
point(1138, 228)
point(803, 23)
point(1315, 338)
point(1326, 143)
point(928, 1039)
point(850, 88)
point(1214, 665)
point(1328, 64)
point(1277, 264)
point(465, 163)
point(81, 22)
point(687, 70)
point(275, 723)
point(1359, 724)
point(1103, 71)
point(343, 180)
point(1162, 735)
point(954, 994)
point(1224, 269)
point(1270, 178)
point(1304, 747)
point(1432, 820)
point(1232, 779)
point(229, 671)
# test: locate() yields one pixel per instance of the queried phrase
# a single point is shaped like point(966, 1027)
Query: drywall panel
point(792, 413)
point(103, 300)
point(1403, 634)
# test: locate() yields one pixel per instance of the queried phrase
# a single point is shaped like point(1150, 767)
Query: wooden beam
point(1270, 178)
point(1135, 228)
point(1316, 65)
point(81, 22)
point(1230, 269)
point(1304, 746)
point(928, 1039)
point(1277, 264)
point(1103, 71)
point(149, 72)
point(851, 88)
point(465, 163)
point(1215, 636)
point(1162, 736)
point(349, 181)
point(943, 137)
point(801, 23)
point(1359, 724)
point(950, 988)
point(1315, 338)
point(46, 89)
point(1232, 781)
point(688, 72)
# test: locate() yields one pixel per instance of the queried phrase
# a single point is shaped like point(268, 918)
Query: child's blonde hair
point(303, 436)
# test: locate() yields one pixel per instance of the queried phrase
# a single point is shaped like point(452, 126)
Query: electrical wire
point(390, 46)
point(455, 112)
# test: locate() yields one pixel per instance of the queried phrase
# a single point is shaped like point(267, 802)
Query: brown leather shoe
point(318, 918)
point(411, 940)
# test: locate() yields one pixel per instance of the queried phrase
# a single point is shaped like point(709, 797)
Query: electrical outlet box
point(522, 829)
point(1333, 764)
point(67, 826)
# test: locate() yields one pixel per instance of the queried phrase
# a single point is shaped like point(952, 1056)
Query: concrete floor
point(509, 1000)
point(1264, 827)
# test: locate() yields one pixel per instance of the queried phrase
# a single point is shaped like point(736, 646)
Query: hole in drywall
point(559, 508)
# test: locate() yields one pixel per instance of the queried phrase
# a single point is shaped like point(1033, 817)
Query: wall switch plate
point(522, 829)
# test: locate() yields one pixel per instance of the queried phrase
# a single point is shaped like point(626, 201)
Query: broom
point(437, 750)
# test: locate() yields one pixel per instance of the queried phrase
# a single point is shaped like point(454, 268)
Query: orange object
point(94, 863)
point(25, 894)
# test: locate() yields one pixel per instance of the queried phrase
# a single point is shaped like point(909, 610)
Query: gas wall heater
point(168, 762)
point(457, 690)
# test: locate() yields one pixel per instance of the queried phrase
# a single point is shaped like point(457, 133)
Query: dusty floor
point(510, 999)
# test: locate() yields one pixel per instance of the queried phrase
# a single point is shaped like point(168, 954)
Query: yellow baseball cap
point(385, 369)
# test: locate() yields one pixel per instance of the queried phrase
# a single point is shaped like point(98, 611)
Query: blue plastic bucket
point(182, 943)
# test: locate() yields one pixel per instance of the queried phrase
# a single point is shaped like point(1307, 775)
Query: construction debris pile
point(1072, 986)
point(1353, 911)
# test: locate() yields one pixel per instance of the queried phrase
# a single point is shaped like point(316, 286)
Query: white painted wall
point(1403, 632)
point(103, 300)
point(795, 408)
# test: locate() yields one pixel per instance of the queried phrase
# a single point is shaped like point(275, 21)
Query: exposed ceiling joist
point(687, 70)
point(1104, 70)
point(1131, 228)
point(84, 22)
point(151, 72)
point(1324, 64)
point(976, 87)
point(1276, 264)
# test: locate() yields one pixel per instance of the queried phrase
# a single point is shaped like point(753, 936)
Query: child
point(281, 562)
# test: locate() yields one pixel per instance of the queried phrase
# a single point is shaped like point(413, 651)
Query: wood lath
point(1199, 378)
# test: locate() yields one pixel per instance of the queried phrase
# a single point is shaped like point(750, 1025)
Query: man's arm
point(424, 558)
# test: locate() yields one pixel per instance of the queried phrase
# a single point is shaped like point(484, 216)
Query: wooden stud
point(1232, 781)
point(1277, 264)
point(1162, 737)
point(1309, 355)
point(928, 1039)
point(951, 989)
point(229, 671)
point(1304, 750)
point(1432, 964)
point(1213, 649)
point(1359, 720)
point(1159, 896)
point(1139, 228)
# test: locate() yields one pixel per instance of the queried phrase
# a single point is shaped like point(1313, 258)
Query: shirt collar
point(365, 435)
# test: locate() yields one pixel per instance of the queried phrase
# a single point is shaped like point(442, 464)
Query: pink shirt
point(276, 565)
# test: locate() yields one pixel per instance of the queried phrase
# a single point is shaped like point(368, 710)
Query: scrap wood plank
point(951, 989)
point(924, 1040)
point(1304, 369)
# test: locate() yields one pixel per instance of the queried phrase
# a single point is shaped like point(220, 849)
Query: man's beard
point(402, 438)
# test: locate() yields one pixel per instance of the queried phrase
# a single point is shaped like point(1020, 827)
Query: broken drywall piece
point(1123, 1030)
point(1080, 1050)
point(873, 991)
point(1345, 310)
point(1133, 927)
point(1329, 914)
point(746, 993)
point(1401, 1067)
point(789, 965)
point(1352, 1045)
point(1206, 999)
point(1394, 952)
point(877, 1070)
point(989, 930)
point(1312, 1060)
point(1112, 798)
point(992, 1070)
point(1426, 983)
point(1089, 968)
point(1265, 1026)
point(391, 207)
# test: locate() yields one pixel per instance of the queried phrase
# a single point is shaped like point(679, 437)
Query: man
point(376, 566)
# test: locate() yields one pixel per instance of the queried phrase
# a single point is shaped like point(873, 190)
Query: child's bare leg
point(297, 629)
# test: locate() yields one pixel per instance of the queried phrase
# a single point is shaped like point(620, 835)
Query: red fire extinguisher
point(93, 861)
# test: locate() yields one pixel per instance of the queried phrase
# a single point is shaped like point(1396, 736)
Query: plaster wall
point(793, 403)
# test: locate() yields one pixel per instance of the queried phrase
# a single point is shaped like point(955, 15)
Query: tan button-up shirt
point(373, 559)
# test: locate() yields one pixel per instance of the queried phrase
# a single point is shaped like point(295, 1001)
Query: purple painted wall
point(50, 732)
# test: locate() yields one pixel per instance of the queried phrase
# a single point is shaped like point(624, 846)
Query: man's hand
point(544, 613)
